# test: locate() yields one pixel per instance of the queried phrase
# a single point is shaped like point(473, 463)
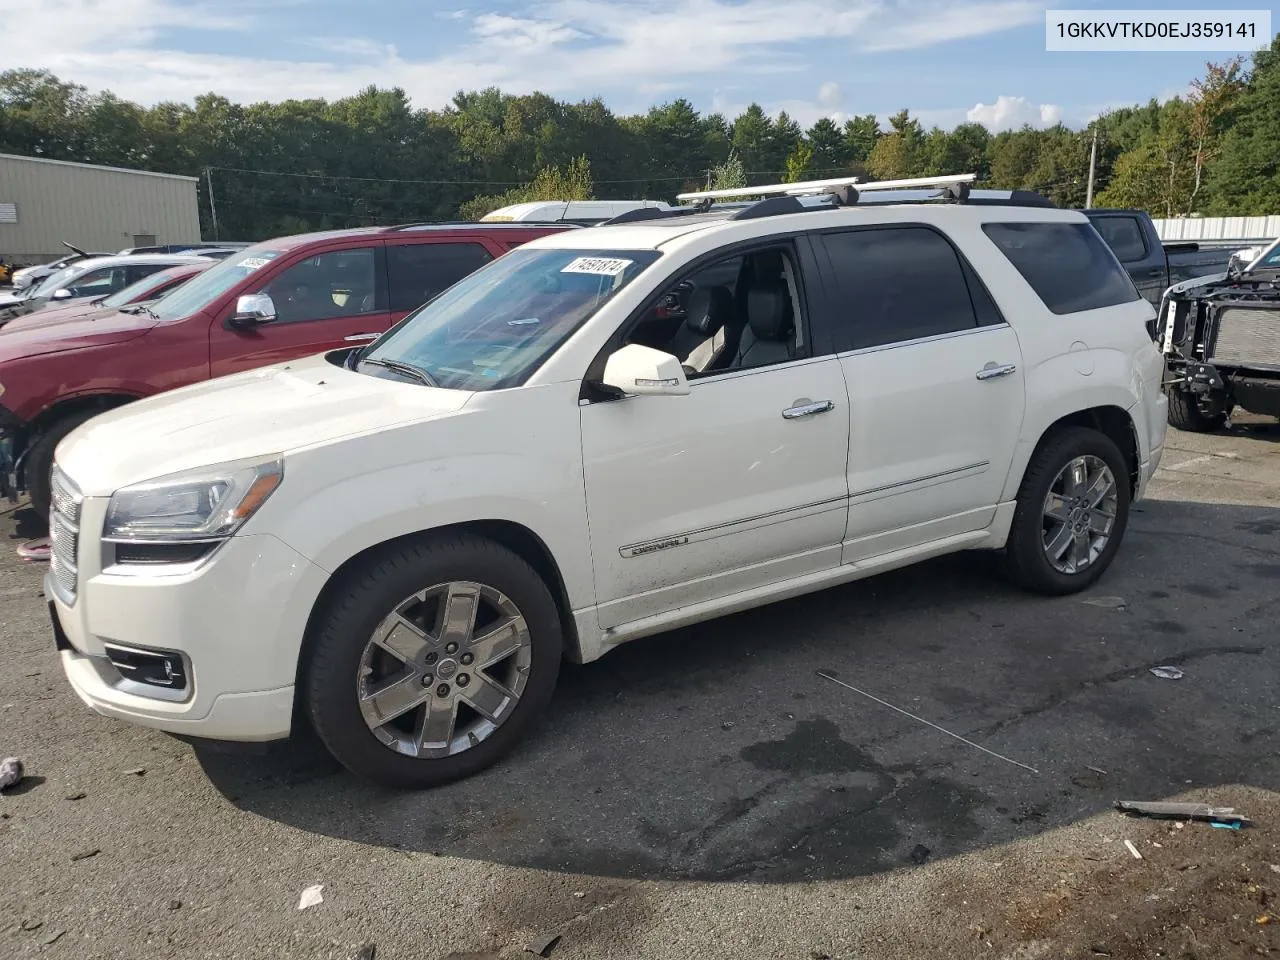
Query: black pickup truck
point(1154, 266)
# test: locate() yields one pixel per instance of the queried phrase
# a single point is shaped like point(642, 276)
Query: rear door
point(324, 299)
point(935, 381)
point(421, 268)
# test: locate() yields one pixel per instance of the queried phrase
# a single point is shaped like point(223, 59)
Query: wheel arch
point(516, 537)
point(1110, 420)
point(70, 406)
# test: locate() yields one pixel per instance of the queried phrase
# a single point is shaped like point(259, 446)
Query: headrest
point(767, 265)
point(709, 309)
point(769, 311)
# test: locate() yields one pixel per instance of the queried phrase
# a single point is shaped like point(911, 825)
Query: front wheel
point(1196, 413)
point(1072, 510)
point(433, 662)
point(39, 465)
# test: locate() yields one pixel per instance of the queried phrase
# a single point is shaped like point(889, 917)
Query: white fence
point(1247, 229)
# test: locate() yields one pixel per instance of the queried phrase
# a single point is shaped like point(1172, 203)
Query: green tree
point(830, 151)
point(550, 183)
point(728, 174)
point(752, 137)
point(800, 164)
point(860, 136)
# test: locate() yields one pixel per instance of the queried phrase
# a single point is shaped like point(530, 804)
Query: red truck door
point(324, 300)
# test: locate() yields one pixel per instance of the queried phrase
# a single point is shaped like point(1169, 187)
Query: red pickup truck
point(275, 301)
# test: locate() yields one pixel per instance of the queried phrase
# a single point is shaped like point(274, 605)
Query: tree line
point(373, 158)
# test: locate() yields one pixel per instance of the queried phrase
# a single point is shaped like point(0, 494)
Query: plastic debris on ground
point(35, 551)
point(1133, 850)
point(1167, 673)
point(1217, 816)
point(1107, 603)
point(311, 897)
point(10, 772)
point(542, 946)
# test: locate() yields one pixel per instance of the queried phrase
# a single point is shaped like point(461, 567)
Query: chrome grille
point(1247, 337)
point(64, 533)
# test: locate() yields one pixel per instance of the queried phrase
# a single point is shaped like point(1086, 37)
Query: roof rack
point(844, 189)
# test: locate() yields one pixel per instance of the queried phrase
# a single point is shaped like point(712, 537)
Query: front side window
point(340, 283)
point(145, 289)
point(1068, 265)
point(95, 283)
point(897, 284)
point(493, 328)
point(417, 272)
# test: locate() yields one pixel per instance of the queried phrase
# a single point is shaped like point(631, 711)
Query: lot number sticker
point(253, 263)
point(599, 266)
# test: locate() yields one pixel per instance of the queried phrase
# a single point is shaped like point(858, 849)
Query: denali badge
point(653, 547)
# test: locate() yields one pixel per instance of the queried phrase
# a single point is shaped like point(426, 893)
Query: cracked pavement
point(706, 794)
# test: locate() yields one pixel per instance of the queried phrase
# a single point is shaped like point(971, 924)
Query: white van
point(570, 211)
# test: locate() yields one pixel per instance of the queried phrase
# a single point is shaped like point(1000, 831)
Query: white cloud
point(1013, 113)
point(563, 47)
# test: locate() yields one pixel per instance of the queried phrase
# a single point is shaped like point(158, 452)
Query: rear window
point(1068, 265)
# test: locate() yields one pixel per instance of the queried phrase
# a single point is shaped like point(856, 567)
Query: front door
point(323, 301)
point(737, 485)
point(936, 389)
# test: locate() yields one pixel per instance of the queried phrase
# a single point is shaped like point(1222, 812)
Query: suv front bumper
point(235, 624)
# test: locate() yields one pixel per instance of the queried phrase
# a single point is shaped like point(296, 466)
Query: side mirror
point(253, 309)
point(641, 370)
point(61, 294)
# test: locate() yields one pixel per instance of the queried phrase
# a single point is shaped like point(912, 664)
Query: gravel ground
point(706, 794)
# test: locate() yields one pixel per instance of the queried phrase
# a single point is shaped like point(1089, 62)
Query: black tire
point(1025, 557)
point(342, 629)
point(39, 462)
point(1187, 412)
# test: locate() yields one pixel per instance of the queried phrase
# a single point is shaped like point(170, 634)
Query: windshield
point(494, 327)
point(1270, 257)
point(55, 281)
point(197, 293)
point(138, 291)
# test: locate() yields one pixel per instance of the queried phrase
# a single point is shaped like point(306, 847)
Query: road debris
point(175, 904)
point(1132, 849)
point(31, 925)
point(136, 772)
point(311, 897)
point(542, 946)
point(85, 854)
point(48, 941)
point(1224, 826)
point(920, 854)
point(884, 703)
point(1107, 603)
point(367, 952)
point(10, 772)
point(727, 725)
point(76, 796)
point(36, 551)
point(1183, 811)
point(1275, 868)
point(1167, 673)
point(1097, 770)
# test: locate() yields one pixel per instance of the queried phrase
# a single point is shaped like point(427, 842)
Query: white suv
point(604, 434)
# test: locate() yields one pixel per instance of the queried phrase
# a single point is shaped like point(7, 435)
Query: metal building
point(99, 209)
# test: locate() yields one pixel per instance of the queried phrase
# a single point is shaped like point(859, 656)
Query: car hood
point(11, 297)
point(44, 332)
point(50, 315)
point(259, 413)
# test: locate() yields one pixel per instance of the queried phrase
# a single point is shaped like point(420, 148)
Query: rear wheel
point(434, 662)
point(1197, 413)
point(39, 463)
point(1072, 510)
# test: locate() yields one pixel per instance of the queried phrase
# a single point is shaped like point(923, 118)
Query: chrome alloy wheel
point(1079, 514)
point(444, 669)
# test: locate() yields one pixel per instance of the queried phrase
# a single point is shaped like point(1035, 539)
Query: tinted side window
point(417, 272)
point(341, 283)
point(1123, 235)
point(135, 273)
point(897, 284)
point(1067, 264)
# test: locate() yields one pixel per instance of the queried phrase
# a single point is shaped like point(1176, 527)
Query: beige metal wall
point(95, 208)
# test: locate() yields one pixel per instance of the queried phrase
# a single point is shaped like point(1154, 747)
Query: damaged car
point(1220, 336)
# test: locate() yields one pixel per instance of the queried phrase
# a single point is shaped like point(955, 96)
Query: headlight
point(206, 504)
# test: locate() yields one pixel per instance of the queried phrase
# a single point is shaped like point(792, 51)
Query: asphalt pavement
point(707, 793)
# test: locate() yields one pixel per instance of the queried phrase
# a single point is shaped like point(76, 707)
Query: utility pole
point(1093, 166)
point(213, 206)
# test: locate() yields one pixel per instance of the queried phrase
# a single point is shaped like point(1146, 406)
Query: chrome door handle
point(807, 409)
point(358, 337)
point(993, 370)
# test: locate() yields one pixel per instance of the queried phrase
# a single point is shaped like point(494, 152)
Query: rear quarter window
point(1068, 265)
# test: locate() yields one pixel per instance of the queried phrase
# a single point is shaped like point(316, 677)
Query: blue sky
point(945, 60)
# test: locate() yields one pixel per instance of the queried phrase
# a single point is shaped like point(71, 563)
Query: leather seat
point(709, 310)
point(770, 333)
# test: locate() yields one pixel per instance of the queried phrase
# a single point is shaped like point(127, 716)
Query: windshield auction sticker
point(1120, 31)
point(599, 266)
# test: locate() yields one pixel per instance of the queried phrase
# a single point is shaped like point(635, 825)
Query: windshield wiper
point(404, 369)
